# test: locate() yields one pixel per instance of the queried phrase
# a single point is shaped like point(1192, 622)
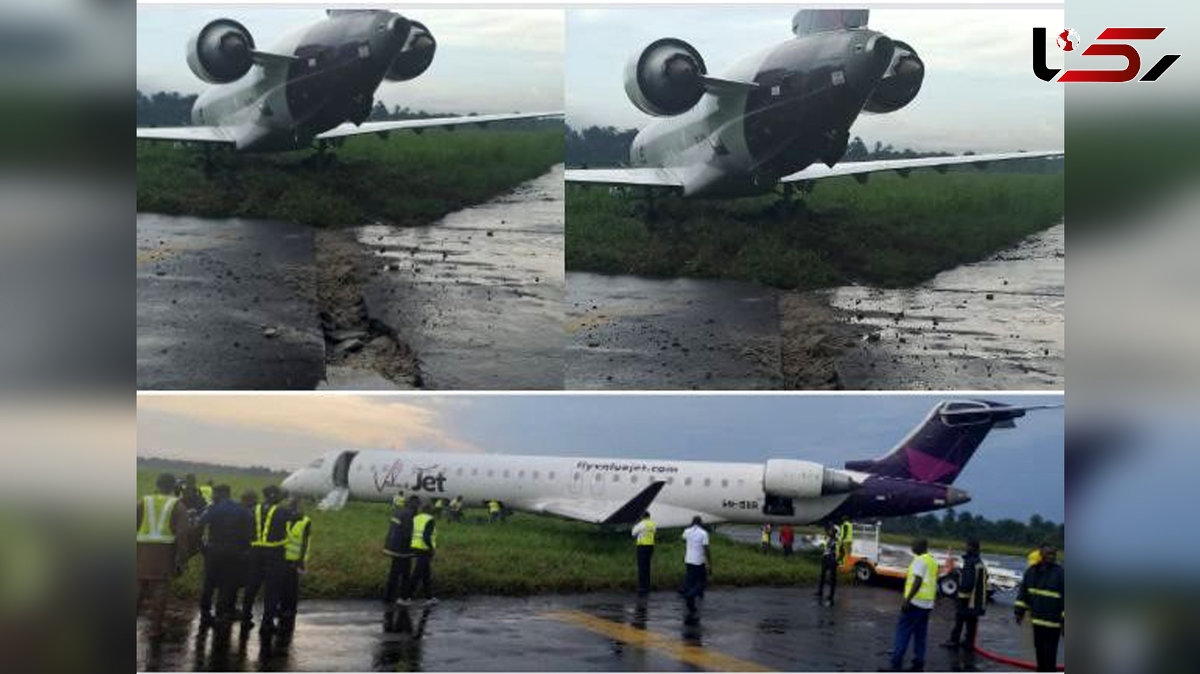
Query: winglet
point(633, 509)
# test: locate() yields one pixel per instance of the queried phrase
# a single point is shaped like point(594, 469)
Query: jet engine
point(804, 479)
point(900, 83)
point(220, 52)
point(416, 55)
point(665, 79)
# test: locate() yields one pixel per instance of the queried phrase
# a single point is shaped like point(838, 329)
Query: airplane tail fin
point(939, 448)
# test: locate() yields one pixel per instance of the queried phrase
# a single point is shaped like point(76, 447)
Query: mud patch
point(812, 337)
point(360, 350)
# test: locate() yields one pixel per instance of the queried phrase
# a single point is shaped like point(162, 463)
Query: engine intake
point(416, 55)
point(665, 78)
point(220, 52)
point(804, 479)
point(900, 82)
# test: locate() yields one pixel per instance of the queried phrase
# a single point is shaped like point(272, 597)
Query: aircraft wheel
point(863, 572)
point(948, 585)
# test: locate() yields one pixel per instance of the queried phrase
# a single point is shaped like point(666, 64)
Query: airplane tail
point(939, 448)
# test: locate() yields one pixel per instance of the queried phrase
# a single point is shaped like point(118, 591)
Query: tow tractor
point(871, 560)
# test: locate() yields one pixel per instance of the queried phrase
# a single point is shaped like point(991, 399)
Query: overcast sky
point(1016, 473)
point(487, 61)
point(979, 92)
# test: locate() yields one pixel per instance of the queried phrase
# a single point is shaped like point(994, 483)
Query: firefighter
point(295, 555)
point(162, 532)
point(971, 600)
point(267, 560)
point(830, 561)
point(644, 531)
point(1042, 595)
point(230, 527)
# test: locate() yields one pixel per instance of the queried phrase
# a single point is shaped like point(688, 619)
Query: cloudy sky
point(979, 92)
point(1016, 472)
point(488, 61)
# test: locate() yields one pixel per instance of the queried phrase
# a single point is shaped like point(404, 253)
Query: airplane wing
point(383, 128)
point(860, 169)
point(187, 134)
point(629, 177)
point(600, 511)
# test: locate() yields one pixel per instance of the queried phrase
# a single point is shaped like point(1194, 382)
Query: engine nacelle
point(665, 78)
point(220, 52)
point(804, 479)
point(416, 55)
point(900, 82)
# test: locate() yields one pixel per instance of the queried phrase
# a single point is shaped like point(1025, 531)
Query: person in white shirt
point(696, 562)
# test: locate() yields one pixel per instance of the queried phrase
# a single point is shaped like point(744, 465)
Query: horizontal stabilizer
point(264, 58)
point(718, 86)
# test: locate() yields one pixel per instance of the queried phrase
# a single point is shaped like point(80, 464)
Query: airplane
point(914, 477)
point(316, 86)
point(771, 116)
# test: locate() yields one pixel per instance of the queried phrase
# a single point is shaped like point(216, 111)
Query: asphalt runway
point(995, 324)
point(628, 332)
point(226, 304)
point(478, 294)
point(746, 629)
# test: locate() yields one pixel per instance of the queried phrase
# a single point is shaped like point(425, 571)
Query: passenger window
point(578, 477)
point(708, 482)
point(633, 479)
point(670, 480)
point(599, 477)
point(616, 477)
point(535, 475)
point(724, 483)
point(474, 471)
point(687, 481)
point(521, 475)
point(458, 472)
point(491, 473)
point(506, 474)
point(550, 475)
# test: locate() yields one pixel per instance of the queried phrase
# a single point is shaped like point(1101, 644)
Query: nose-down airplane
point(915, 477)
point(771, 116)
point(316, 86)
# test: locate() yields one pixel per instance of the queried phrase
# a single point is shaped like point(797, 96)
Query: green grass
point(529, 554)
point(407, 179)
point(891, 232)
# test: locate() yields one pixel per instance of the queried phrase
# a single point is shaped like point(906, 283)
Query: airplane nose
point(956, 496)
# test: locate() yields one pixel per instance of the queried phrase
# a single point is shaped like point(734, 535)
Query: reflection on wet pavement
point(763, 628)
point(629, 332)
point(226, 304)
point(478, 295)
point(996, 324)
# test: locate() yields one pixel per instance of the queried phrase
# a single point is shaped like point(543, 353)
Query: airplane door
point(341, 469)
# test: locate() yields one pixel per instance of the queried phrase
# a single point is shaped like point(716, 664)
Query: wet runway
point(226, 304)
point(748, 629)
point(479, 294)
point(995, 324)
point(629, 332)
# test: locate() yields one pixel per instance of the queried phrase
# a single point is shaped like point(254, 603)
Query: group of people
point(1041, 595)
point(411, 543)
point(248, 547)
point(697, 563)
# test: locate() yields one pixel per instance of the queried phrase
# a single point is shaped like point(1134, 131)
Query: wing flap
point(348, 129)
point(903, 166)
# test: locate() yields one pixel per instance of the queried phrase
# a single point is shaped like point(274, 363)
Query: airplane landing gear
point(788, 206)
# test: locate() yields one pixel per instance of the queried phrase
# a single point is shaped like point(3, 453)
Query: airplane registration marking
point(648, 640)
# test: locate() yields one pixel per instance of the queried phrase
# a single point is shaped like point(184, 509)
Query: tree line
point(962, 525)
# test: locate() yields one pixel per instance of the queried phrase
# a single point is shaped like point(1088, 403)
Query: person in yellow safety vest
point(456, 506)
point(424, 544)
point(644, 531)
point(920, 592)
point(399, 500)
point(493, 510)
point(439, 506)
point(206, 491)
point(766, 537)
point(845, 540)
point(1043, 595)
point(162, 531)
point(267, 560)
point(295, 554)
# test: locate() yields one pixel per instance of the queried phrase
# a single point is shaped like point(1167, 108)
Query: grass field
point(407, 179)
point(891, 232)
point(527, 555)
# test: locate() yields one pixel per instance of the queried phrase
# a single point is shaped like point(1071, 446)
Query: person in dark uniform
point(398, 546)
point(299, 544)
point(1043, 595)
point(830, 560)
point(970, 602)
point(229, 527)
point(266, 568)
point(424, 545)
